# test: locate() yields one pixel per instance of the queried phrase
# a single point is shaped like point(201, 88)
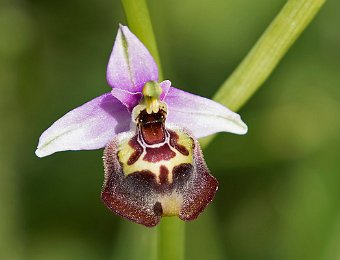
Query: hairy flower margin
point(153, 163)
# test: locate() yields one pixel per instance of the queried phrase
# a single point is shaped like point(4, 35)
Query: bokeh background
point(279, 185)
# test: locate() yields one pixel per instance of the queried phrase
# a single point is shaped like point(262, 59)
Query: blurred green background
point(279, 195)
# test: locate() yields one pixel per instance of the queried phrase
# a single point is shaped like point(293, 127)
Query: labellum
point(156, 170)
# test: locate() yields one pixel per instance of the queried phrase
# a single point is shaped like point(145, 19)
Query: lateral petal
point(165, 85)
point(131, 99)
point(128, 99)
point(90, 126)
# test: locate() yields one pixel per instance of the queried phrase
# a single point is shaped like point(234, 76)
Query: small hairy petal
point(128, 99)
point(90, 126)
point(201, 115)
point(131, 64)
point(131, 99)
point(165, 85)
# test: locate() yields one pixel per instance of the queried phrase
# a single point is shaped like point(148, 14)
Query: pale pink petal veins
point(131, 64)
point(201, 115)
point(90, 126)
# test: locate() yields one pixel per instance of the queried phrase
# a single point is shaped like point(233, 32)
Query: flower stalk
point(171, 239)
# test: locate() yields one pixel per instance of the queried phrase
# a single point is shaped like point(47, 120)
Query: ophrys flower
point(153, 162)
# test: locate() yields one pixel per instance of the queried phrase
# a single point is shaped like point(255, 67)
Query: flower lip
point(182, 187)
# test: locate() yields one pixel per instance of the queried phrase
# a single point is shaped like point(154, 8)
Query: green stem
point(266, 54)
point(138, 18)
point(171, 232)
point(172, 239)
point(136, 242)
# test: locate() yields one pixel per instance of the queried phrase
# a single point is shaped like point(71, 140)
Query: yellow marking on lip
point(125, 151)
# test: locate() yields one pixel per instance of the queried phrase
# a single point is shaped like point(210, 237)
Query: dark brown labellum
point(156, 172)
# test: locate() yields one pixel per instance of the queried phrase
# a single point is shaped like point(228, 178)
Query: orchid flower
point(153, 163)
